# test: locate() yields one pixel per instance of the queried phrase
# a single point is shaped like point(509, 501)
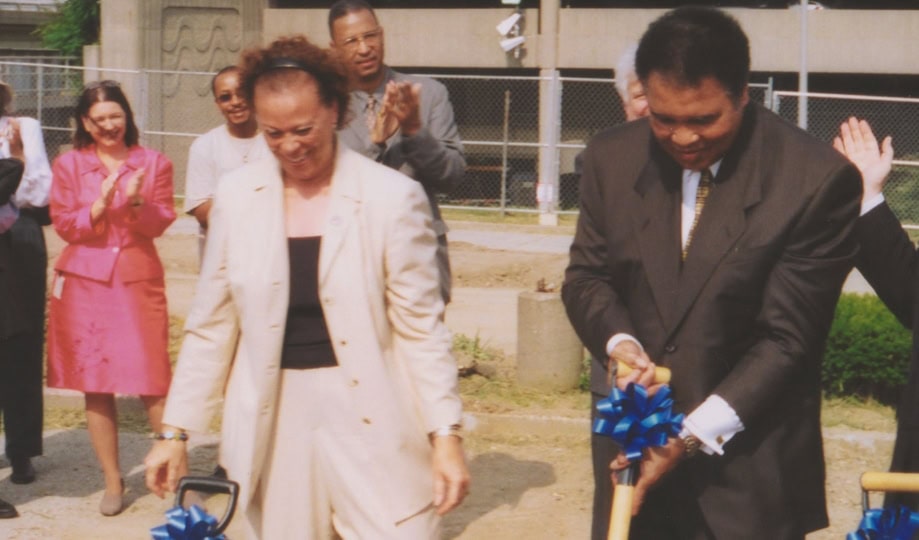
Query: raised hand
point(857, 142)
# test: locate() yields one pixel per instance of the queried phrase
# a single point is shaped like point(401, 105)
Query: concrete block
point(549, 353)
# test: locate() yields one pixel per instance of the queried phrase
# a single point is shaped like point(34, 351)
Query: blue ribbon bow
point(897, 523)
point(636, 421)
point(191, 524)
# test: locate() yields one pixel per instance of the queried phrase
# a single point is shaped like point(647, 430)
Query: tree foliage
point(75, 25)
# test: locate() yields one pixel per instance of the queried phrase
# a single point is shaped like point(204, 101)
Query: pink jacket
point(120, 240)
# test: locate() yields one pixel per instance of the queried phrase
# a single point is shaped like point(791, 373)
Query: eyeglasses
point(107, 83)
point(228, 97)
point(371, 39)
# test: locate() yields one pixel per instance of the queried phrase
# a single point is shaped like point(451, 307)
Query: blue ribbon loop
point(191, 524)
point(897, 523)
point(636, 421)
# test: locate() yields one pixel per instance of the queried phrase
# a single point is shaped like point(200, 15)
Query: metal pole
point(549, 112)
point(39, 86)
point(507, 111)
point(802, 72)
point(767, 100)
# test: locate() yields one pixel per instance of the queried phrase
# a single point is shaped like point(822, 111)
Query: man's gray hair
point(625, 69)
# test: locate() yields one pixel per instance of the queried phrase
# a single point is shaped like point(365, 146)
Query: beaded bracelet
point(170, 436)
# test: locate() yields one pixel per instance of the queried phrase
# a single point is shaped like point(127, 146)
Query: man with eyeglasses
point(714, 239)
point(222, 149)
point(403, 121)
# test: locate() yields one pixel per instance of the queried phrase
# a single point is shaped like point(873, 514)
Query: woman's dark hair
point(288, 55)
point(98, 92)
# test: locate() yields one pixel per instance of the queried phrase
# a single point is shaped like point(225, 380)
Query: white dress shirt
point(35, 187)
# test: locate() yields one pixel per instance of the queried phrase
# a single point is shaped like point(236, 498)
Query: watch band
point(691, 445)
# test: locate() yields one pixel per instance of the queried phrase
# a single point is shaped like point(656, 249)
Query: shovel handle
point(209, 484)
point(661, 374)
point(887, 481)
point(620, 517)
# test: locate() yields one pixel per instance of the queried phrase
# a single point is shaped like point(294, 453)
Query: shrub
point(867, 353)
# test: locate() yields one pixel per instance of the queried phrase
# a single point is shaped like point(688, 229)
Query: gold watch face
point(691, 445)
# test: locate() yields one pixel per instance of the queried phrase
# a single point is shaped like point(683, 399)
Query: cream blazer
point(378, 285)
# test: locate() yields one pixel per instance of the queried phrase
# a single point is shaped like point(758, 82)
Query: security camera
point(510, 44)
point(504, 27)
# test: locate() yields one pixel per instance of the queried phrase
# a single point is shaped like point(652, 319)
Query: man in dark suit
point(11, 319)
point(888, 259)
point(714, 239)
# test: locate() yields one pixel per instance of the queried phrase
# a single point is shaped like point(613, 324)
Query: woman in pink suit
point(108, 324)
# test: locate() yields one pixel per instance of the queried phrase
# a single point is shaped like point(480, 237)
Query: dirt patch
point(474, 266)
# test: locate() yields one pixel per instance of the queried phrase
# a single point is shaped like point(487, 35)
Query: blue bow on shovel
point(635, 421)
point(191, 524)
point(195, 523)
point(897, 523)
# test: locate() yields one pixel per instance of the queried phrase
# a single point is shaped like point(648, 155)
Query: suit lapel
point(268, 247)
point(343, 205)
point(657, 227)
point(737, 187)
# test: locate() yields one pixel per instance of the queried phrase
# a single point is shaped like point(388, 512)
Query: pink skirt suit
point(108, 326)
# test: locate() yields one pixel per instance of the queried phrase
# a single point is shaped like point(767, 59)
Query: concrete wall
point(175, 35)
point(841, 41)
point(422, 37)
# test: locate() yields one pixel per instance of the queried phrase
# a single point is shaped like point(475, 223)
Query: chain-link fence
point(897, 117)
point(498, 119)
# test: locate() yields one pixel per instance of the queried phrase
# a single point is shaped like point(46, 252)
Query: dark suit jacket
point(889, 261)
point(744, 317)
point(11, 319)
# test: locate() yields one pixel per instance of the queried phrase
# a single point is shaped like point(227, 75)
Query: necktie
point(370, 112)
point(705, 185)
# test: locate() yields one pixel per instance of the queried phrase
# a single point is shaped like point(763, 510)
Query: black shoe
point(7, 510)
point(219, 472)
point(23, 471)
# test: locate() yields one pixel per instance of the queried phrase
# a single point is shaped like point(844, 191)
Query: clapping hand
point(107, 190)
point(401, 110)
point(14, 138)
point(857, 142)
point(133, 186)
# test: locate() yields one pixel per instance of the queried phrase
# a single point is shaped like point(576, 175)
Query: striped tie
point(705, 185)
point(370, 112)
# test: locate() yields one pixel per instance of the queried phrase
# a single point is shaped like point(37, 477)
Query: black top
point(306, 337)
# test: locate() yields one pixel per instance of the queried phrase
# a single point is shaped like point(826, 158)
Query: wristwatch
point(691, 444)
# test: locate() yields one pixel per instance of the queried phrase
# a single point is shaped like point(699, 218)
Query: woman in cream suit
point(318, 306)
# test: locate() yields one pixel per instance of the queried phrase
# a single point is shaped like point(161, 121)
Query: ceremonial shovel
point(621, 511)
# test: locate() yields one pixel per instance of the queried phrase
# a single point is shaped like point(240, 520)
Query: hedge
point(867, 352)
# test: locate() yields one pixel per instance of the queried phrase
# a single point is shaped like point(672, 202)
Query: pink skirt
point(109, 338)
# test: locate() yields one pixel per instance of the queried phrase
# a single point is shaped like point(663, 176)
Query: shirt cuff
point(619, 338)
point(871, 203)
point(714, 423)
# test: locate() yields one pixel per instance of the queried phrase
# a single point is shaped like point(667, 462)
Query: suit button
point(343, 343)
point(670, 348)
point(366, 421)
